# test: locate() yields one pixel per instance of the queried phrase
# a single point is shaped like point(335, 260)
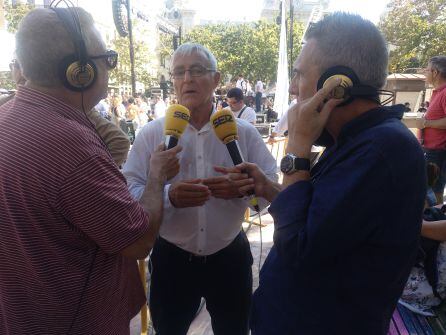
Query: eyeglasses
point(111, 58)
point(194, 71)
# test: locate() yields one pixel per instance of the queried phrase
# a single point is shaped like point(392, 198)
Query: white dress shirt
point(249, 114)
point(259, 87)
point(209, 228)
point(282, 126)
point(160, 109)
point(241, 84)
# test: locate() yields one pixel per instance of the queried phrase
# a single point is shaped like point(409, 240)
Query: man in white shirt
point(103, 108)
point(241, 83)
point(259, 93)
point(201, 251)
point(160, 108)
point(238, 107)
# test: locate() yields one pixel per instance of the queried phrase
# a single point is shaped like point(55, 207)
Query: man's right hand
point(188, 193)
point(164, 164)
point(249, 177)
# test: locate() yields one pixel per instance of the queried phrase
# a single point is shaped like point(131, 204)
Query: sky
point(245, 10)
point(369, 9)
point(228, 10)
point(249, 10)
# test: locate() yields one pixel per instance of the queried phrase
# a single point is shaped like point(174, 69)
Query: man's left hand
point(222, 187)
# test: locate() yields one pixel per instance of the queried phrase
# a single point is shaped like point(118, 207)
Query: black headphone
point(350, 86)
point(76, 71)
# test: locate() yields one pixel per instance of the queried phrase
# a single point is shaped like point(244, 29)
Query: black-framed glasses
point(194, 71)
point(111, 58)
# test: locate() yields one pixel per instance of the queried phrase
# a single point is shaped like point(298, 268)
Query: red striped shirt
point(64, 208)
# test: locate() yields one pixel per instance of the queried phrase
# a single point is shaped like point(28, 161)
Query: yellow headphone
point(76, 71)
point(349, 88)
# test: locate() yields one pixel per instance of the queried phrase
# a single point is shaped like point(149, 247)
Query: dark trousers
point(258, 102)
point(179, 280)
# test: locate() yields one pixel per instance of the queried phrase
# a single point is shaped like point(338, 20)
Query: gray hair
point(187, 49)
point(349, 40)
point(42, 42)
point(439, 64)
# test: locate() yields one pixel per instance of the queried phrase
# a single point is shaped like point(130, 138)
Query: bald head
point(42, 42)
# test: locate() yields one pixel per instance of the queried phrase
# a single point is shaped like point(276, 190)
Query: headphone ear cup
point(349, 80)
point(340, 91)
point(75, 76)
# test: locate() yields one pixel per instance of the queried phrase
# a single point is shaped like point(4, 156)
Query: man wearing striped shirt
point(70, 232)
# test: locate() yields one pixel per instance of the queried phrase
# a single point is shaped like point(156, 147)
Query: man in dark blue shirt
point(346, 232)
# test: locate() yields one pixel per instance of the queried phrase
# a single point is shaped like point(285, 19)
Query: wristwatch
point(290, 164)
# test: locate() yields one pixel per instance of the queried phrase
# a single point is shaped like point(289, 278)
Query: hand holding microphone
point(225, 128)
point(185, 193)
point(163, 162)
point(177, 119)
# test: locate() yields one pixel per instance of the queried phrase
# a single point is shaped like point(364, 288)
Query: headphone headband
point(76, 71)
point(350, 86)
point(72, 25)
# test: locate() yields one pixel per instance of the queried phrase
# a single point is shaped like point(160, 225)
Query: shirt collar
point(46, 101)
point(244, 105)
point(441, 88)
point(356, 126)
point(370, 119)
point(206, 127)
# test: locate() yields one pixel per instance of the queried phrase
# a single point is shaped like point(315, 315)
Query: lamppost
point(123, 22)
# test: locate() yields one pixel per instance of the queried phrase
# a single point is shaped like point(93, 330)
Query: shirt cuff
point(291, 205)
point(167, 203)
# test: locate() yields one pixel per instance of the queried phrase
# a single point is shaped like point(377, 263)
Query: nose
point(187, 76)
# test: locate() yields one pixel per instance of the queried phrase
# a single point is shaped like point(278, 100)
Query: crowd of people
point(73, 224)
point(131, 114)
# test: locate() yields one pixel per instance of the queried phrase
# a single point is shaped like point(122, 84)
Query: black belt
point(163, 243)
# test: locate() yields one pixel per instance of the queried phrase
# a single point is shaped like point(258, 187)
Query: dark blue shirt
point(345, 242)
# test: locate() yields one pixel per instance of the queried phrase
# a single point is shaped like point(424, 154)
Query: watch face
point(286, 164)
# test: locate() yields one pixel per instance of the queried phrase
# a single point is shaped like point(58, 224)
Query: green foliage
point(122, 74)
point(14, 14)
point(251, 49)
point(6, 81)
point(165, 47)
point(417, 30)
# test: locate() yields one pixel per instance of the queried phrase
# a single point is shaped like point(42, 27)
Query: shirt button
point(200, 157)
point(200, 251)
point(201, 229)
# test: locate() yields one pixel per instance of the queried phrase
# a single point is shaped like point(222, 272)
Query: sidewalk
point(202, 323)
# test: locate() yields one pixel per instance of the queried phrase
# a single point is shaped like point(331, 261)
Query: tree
point(6, 81)
point(15, 13)
point(165, 47)
point(121, 75)
point(416, 30)
point(251, 49)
